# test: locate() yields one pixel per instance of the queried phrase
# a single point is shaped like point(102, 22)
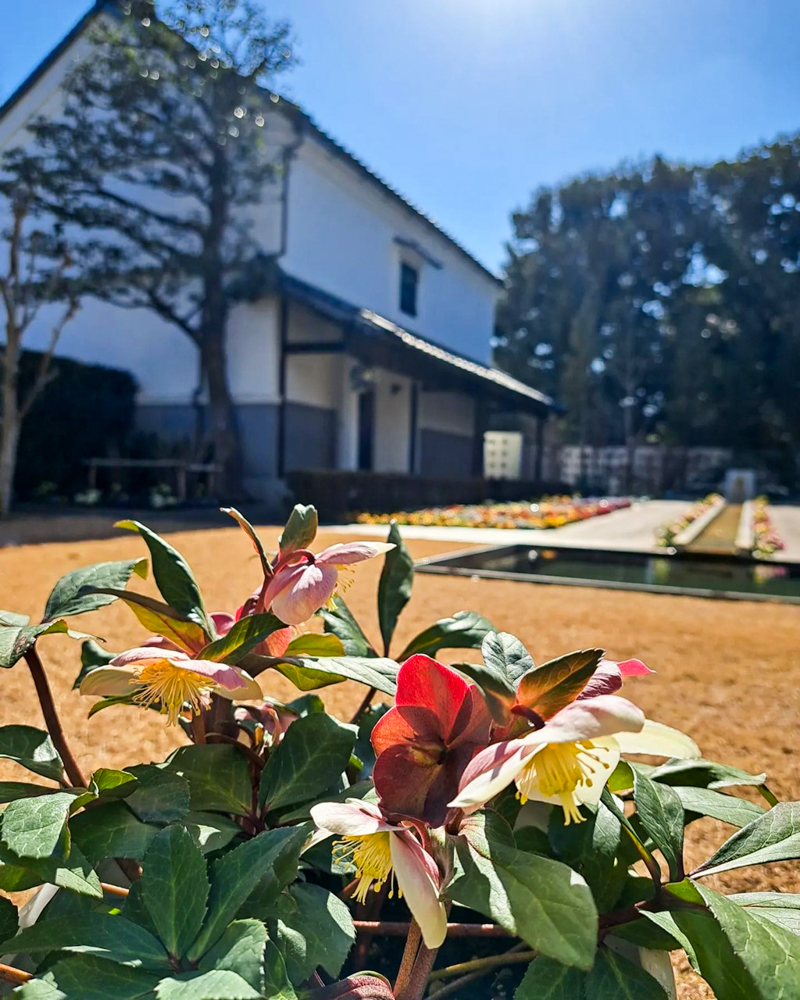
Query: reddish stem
point(51, 719)
point(16, 976)
point(398, 928)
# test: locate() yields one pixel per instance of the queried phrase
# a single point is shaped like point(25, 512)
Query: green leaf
point(300, 530)
point(37, 827)
point(542, 901)
point(218, 777)
point(86, 977)
point(314, 929)
point(704, 774)
point(161, 796)
point(106, 783)
point(15, 641)
point(109, 937)
point(310, 672)
point(70, 595)
point(312, 644)
point(276, 978)
point(549, 980)
point(111, 830)
point(465, 630)
point(506, 654)
point(660, 811)
point(775, 836)
point(175, 888)
point(9, 919)
point(237, 874)
point(212, 831)
point(553, 685)
point(11, 790)
point(593, 849)
point(311, 757)
point(173, 576)
point(394, 586)
point(252, 534)
point(615, 978)
point(781, 908)
point(245, 635)
point(497, 689)
point(10, 619)
point(163, 620)
point(728, 808)
point(92, 655)
point(341, 623)
point(241, 950)
point(219, 984)
point(32, 748)
point(740, 955)
point(75, 873)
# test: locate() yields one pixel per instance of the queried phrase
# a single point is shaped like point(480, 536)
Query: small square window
point(409, 280)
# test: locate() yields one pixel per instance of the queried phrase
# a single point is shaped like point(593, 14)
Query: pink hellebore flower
point(569, 759)
point(423, 744)
point(303, 582)
point(379, 851)
point(170, 678)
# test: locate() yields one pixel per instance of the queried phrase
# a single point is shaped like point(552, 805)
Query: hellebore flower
point(380, 851)
point(569, 759)
point(170, 678)
point(423, 744)
point(303, 582)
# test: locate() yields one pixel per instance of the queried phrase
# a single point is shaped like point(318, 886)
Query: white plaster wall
point(314, 379)
point(341, 238)
point(392, 422)
point(452, 412)
point(254, 352)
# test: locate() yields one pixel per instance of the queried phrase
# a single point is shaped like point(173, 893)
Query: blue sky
point(467, 105)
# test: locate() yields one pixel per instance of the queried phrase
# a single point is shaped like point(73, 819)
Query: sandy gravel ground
point(728, 672)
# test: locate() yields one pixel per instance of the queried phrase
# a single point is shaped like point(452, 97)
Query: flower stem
point(51, 719)
point(482, 964)
point(9, 974)
point(413, 942)
point(399, 928)
point(417, 983)
point(364, 705)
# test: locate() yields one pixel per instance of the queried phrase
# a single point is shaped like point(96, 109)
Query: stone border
point(746, 535)
point(688, 535)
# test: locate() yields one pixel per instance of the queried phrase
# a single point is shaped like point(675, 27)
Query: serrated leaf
point(340, 622)
point(245, 635)
point(553, 685)
point(173, 576)
point(615, 978)
point(660, 811)
point(219, 984)
point(15, 641)
point(109, 937)
point(775, 836)
point(164, 620)
point(312, 644)
point(111, 830)
point(394, 586)
point(546, 979)
point(251, 533)
point(300, 530)
point(175, 888)
point(241, 950)
point(70, 595)
point(740, 955)
point(495, 686)
point(74, 874)
point(212, 831)
point(32, 748)
point(506, 654)
point(85, 977)
point(161, 796)
point(315, 929)
point(782, 908)
point(236, 875)
point(704, 774)
point(464, 630)
point(9, 919)
point(11, 790)
point(540, 900)
point(593, 849)
point(218, 777)
point(310, 672)
point(276, 978)
point(37, 827)
point(108, 783)
point(727, 808)
point(312, 755)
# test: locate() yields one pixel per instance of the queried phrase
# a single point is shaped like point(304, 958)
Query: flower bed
point(487, 817)
point(550, 512)
point(766, 540)
point(667, 533)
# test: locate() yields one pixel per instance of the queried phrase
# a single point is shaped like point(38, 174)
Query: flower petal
point(352, 818)
point(660, 741)
point(223, 621)
point(606, 679)
point(604, 715)
point(489, 772)
point(153, 651)
point(308, 587)
point(633, 668)
point(108, 682)
point(344, 553)
point(418, 880)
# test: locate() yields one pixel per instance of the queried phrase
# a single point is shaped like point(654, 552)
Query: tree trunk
point(221, 426)
point(10, 424)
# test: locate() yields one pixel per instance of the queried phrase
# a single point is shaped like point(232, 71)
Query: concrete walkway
point(787, 524)
point(630, 530)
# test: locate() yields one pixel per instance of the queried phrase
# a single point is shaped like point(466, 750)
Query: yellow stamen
point(371, 857)
point(173, 687)
point(344, 581)
point(556, 771)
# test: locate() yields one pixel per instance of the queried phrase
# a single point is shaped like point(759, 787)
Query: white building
point(370, 350)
